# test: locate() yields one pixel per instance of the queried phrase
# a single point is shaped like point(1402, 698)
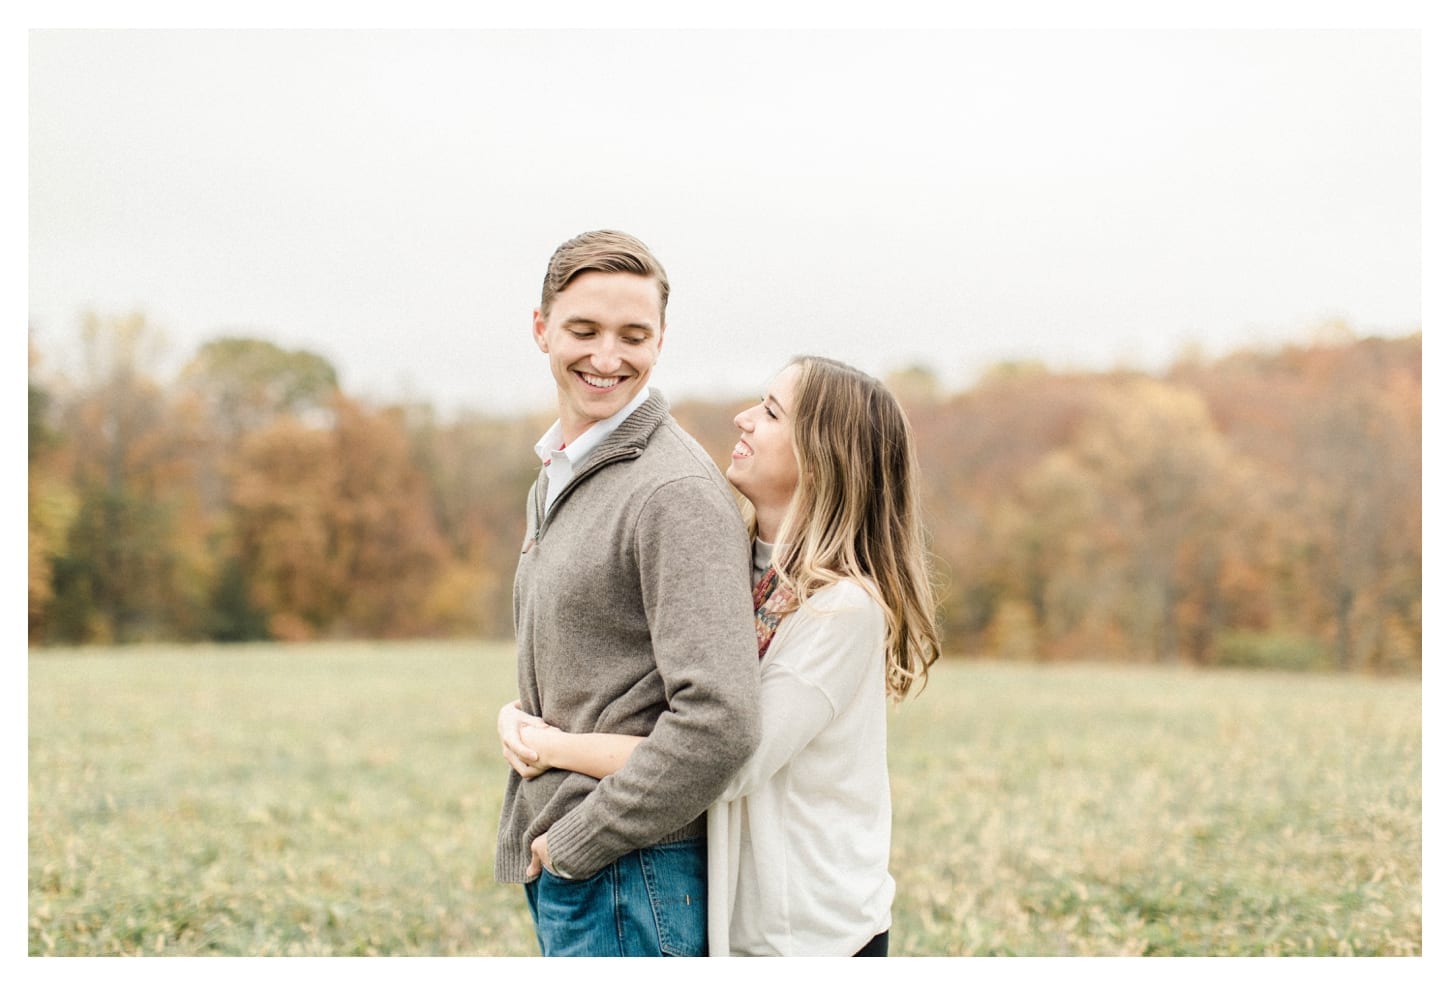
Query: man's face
point(603, 334)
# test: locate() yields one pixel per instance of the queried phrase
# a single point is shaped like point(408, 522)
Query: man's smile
point(600, 382)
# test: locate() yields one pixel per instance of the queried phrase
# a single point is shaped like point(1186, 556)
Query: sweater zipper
point(542, 517)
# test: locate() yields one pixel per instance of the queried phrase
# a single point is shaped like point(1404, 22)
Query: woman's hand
point(520, 754)
point(538, 736)
point(532, 746)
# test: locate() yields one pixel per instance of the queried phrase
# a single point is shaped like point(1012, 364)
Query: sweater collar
point(633, 433)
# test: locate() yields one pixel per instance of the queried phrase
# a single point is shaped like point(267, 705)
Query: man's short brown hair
point(602, 250)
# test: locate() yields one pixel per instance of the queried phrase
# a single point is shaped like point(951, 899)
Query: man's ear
point(540, 336)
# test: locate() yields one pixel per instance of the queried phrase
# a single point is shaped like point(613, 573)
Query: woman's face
point(763, 465)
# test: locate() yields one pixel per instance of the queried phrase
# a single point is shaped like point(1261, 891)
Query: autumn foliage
point(1258, 510)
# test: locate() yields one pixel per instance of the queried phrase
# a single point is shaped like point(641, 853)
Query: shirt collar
point(552, 442)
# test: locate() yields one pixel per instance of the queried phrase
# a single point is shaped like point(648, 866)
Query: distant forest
point(1261, 509)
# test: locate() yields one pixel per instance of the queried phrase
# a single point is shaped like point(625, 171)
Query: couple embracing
point(698, 750)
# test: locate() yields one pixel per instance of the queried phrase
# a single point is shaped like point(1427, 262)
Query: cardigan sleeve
point(812, 668)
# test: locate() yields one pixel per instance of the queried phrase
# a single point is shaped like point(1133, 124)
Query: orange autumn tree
point(1172, 500)
point(334, 529)
point(1334, 430)
point(1360, 500)
point(478, 471)
point(1262, 509)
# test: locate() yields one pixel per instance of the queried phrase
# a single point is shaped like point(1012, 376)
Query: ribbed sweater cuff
point(574, 854)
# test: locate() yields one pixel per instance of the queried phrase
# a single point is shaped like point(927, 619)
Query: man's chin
point(615, 397)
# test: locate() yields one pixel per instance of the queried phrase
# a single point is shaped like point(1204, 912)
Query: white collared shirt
point(560, 461)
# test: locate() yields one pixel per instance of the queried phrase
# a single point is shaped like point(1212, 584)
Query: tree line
point(1262, 509)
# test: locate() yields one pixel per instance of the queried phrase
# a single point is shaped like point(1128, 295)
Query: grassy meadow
point(341, 799)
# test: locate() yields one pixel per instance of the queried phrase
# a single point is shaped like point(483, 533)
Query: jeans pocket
point(575, 916)
point(674, 877)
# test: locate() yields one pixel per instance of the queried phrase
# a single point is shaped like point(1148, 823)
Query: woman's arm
point(532, 746)
point(595, 754)
point(826, 648)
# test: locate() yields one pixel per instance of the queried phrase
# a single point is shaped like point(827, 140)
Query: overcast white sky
point(947, 197)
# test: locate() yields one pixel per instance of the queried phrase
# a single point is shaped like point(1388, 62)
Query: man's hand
point(520, 756)
point(540, 850)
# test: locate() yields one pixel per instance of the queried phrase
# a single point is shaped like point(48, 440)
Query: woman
point(800, 840)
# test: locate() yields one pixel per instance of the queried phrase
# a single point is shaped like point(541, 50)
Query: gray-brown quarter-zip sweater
point(632, 614)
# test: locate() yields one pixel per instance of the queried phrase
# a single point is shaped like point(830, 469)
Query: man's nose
point(606, 356)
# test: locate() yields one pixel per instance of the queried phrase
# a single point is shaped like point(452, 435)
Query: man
point(632, 614)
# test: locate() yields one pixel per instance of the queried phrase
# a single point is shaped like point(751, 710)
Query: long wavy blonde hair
point(856, 511)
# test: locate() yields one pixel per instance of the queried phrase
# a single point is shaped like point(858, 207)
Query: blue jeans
point(649, 903)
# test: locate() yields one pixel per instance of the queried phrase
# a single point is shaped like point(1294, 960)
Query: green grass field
point(342, 800)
